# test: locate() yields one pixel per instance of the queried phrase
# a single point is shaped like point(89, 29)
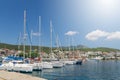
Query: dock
point(5, 75)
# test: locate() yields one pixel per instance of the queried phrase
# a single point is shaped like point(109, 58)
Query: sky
point(93, 23)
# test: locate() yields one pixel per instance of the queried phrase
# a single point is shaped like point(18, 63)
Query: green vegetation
point(47, 49)
point(33, 55)
point(15, 47)
point(103, 49)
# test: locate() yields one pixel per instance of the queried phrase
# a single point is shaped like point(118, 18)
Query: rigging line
point(29, 38)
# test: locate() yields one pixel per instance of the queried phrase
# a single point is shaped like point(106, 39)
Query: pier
point(5, 75)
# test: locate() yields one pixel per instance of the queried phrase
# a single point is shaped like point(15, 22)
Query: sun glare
point(106, 7)
point(107, 3)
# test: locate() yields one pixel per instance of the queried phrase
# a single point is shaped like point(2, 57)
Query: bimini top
point(10, 58)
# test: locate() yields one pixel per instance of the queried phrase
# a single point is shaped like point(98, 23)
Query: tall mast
point(24, 35)
point(39, 34)
point(73, 43)
point(31, 42)
point(51, 34)
point(67, 41)
point(57, 43)
point(19, 38)
point(69, 44)
point(19, 41)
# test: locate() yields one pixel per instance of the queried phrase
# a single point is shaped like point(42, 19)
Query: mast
point(73, 43)
point(24, 35)
point(19, 38)
point(67, 41)
point(69, 44)
point(51, 35)
point(19, 41)
point(31, 42)
point(57, 42)
point(39, 35)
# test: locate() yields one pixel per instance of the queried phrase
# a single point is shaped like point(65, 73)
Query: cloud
point(95, 35)
point(71, 33)
point(113, 35)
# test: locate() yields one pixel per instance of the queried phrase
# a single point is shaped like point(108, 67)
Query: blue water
point(90, 70)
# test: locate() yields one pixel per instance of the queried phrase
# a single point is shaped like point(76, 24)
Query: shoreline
point(5, 75)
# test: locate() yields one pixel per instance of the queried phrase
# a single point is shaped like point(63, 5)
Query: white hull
point(2, 67)
point(47, 65)
point(17, 67)
point(23, 68)
point(37, 66)
point(97, 58)
point(69, 62)
point(7, 66)
point(57, 64)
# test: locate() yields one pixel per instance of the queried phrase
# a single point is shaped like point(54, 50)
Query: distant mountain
point(78, 46)
point(81, 46)
point(75, 47)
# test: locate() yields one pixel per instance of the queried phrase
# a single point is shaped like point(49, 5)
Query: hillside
point(103, 49)
point(15, 47)
point(47, 49)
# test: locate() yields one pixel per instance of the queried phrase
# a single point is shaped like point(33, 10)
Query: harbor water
point(90, 70)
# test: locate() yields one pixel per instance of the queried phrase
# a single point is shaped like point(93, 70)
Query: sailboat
point(54, 61)
point(21, 65)
point(37, 66)
point(41, 64)
point(47, 65)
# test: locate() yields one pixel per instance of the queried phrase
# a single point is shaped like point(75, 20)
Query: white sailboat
point(56, 64)
point(37, 66)
point(7, 66)
point(20, 66)
point(45, 64)
point(41, 64)
point(16, 65)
